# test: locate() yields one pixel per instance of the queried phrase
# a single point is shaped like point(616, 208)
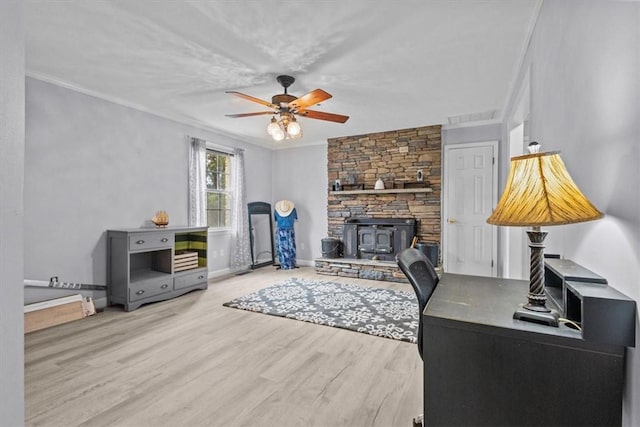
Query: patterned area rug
point(380, 312)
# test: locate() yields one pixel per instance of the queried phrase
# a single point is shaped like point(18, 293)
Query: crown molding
point(303, 145)
point(472, 124)
point(118, 101)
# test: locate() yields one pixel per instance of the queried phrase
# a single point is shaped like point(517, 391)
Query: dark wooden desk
point(482, 367)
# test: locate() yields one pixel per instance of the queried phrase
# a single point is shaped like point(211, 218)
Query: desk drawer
point(190, 279)
point(149, 288)
point(152, 240)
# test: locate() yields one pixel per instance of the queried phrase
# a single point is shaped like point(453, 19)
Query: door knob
point(452, 221)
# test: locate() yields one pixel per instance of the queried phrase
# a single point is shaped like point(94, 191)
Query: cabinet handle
point(165, 286)
point(164, 240)
point(201, 277)
point(139, 242)
point(140, 292)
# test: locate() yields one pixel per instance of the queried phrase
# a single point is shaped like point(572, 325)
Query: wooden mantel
point(389, 191)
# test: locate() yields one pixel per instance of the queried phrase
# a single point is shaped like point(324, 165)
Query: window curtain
point(197, 182)
point(240, 248)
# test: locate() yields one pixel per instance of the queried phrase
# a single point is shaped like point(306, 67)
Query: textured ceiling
point(388, 64)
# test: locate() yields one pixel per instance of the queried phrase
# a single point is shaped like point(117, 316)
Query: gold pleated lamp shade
point(540, 191)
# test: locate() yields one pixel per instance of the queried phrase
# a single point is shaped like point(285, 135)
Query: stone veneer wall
point(394, 156)
point(371, 270)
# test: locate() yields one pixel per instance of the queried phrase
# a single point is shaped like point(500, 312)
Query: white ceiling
point(389, 64)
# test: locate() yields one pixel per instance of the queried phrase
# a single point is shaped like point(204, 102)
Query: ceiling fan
point(287, 106)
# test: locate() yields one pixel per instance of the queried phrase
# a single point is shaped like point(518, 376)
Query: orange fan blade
point(311, 98)
point(310, 114)
point(251, 98)
point(261, 113)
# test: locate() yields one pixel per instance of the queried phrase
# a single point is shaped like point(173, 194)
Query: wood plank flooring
point(192, 362)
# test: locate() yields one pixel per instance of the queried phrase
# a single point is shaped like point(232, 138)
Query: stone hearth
point(361, 269)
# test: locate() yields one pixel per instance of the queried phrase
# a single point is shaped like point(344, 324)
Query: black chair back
point(423, 278)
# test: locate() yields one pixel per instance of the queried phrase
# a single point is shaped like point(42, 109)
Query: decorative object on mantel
point(540, 191)
point(337, 186)
point(381, 312)
point(347, 187)
point(419, 175)
point(161, 219)
point(406, 184)
point(379, 184)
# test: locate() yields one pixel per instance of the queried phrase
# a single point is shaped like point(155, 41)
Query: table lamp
point(539, 192)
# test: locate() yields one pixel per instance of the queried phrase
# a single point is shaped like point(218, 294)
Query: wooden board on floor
point(53, 312)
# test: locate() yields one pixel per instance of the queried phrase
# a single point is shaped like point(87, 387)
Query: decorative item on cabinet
point(161, 219)
point(184, 260)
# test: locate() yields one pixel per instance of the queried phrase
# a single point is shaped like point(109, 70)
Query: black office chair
point(424, 279)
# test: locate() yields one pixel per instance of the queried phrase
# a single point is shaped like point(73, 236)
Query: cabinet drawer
point(139, 241)
point(149, 288)
point(189, 279)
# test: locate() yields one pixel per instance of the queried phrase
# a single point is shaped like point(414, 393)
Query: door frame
point(446, 152)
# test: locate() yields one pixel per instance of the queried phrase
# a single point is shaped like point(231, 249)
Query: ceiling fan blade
point(330, 117)
point(261, 113)
point(309, 99)
point(251, 98)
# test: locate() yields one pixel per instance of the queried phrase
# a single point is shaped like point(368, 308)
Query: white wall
point(300, 175)
point(585, 68)
point(11, 212)
point(92, 165)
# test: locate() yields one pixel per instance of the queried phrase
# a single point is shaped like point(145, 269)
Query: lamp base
point(549, 317)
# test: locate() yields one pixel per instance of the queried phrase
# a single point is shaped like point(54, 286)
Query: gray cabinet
point(153, 264)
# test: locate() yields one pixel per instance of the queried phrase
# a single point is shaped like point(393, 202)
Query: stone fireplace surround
point(395, 157)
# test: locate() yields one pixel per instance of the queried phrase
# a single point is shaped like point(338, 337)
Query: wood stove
point(377, 238)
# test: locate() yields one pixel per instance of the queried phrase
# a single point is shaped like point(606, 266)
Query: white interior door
point(470, 244)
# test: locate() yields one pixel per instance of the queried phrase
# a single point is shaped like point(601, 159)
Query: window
point(218, 189)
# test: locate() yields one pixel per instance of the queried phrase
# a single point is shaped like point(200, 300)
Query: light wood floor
point(192, 362)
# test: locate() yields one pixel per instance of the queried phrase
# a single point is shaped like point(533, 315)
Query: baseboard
point(218, 273)
point(227, 271)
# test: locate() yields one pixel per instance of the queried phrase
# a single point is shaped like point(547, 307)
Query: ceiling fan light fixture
point(284, 126)
point(273, 127)
point(293, 128)
point(285, 106)
point(278, 134)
